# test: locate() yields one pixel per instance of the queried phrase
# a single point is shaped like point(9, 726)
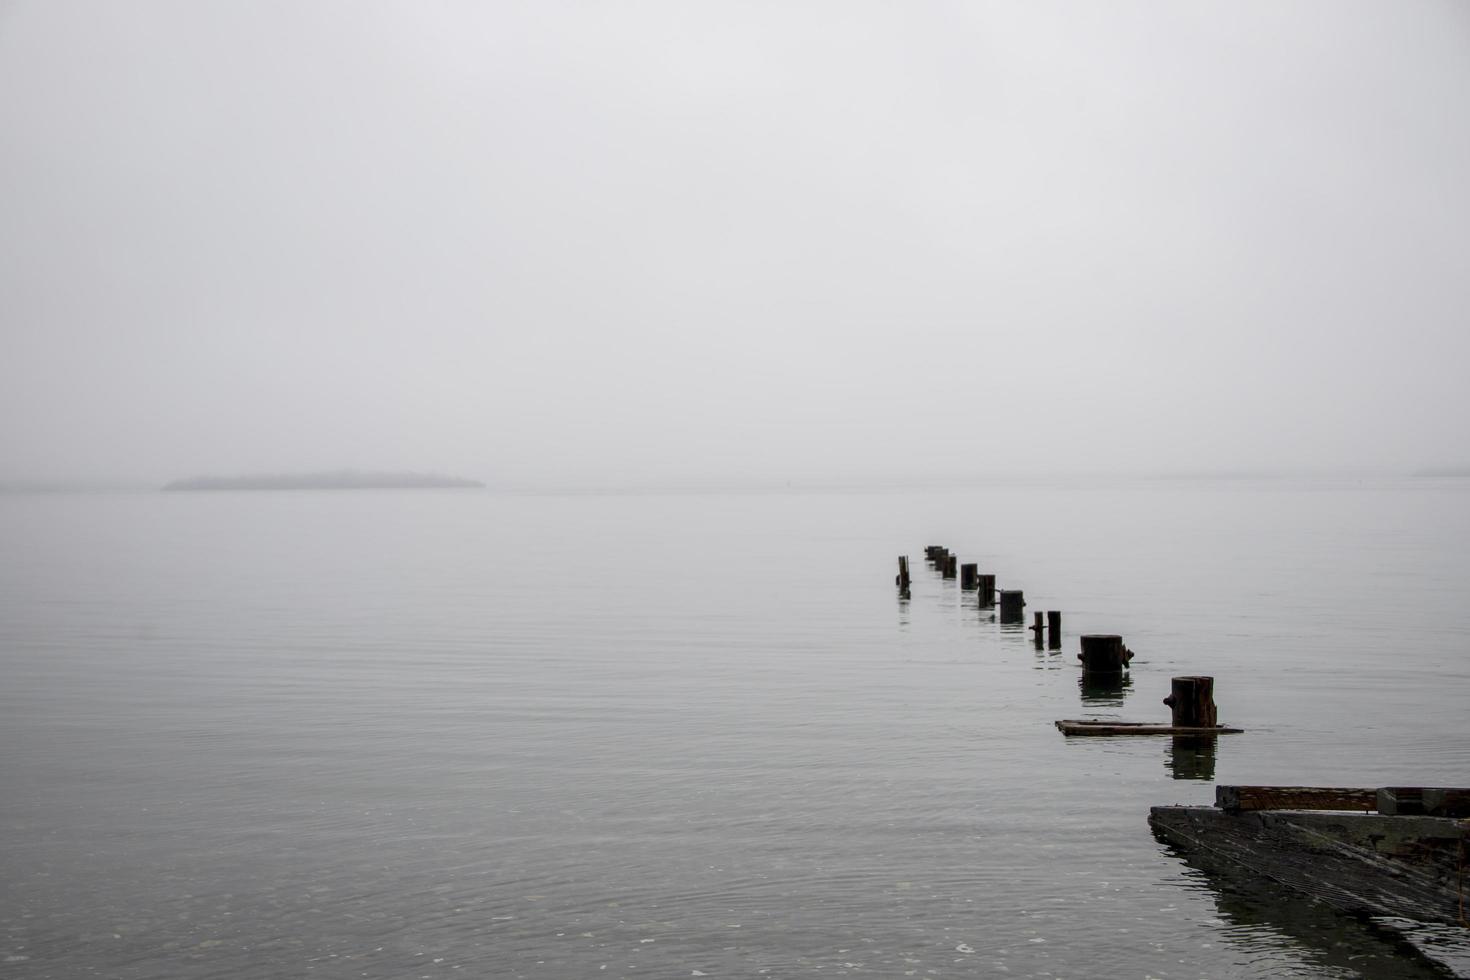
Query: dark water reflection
point(1106, 690)
point(1189, 757)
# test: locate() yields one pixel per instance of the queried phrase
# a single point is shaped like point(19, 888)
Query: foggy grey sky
point(631, 242)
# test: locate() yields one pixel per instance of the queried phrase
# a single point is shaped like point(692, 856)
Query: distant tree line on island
point(336, 480)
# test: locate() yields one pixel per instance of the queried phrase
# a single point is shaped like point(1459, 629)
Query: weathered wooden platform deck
point(1394, 856)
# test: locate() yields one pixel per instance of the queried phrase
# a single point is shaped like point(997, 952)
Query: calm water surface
point(437, 734)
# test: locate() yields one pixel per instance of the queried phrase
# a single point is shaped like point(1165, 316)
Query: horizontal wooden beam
point(1423, 801)
point(1427, 801)
point(1081, 727)
point(1295, 798)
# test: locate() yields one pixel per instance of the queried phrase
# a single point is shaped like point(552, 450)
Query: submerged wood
point(1078, 726)
point(1363, 864)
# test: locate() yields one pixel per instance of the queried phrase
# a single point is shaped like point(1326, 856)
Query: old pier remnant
point(1053, 629)
point(1104, 653)
point(903, 574)
point(1195, 719)
point(1335, 845)
point(985, 584)
point(1192, 700)
point(969, 573)
point(1012, 605)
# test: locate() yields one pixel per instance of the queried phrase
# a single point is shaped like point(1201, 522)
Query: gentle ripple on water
point(435, 734)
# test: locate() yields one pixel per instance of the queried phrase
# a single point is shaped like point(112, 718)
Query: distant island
point(338, 480)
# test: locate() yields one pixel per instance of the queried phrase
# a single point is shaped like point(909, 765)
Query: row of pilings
point(1104, 656)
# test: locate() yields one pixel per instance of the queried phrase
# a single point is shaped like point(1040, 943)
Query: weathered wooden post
point(1037, 627)
point(903, 573)
point(986, 585)
point(969, 572)
point(932, 552)
point(1012, 605)
point(1104, 654)
point(1054, 629)
point(951, 565)
point(1192, 700)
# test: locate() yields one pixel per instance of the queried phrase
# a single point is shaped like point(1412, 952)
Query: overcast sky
point(619, 242)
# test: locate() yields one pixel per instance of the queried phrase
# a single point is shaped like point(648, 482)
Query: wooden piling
point(986, 586)
point(969, 573)
point(1037, 627)
point(903, 573)
point(1054, 629)
point(1012, 606)
point(951, 566)
point(1105, 654)
point(1192, 701)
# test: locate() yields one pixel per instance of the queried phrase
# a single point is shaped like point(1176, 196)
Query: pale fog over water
point(465, 733)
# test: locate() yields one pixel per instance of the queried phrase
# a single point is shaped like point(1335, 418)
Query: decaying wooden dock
point(1397, 853)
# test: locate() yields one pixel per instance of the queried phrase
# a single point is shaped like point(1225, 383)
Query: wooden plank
point(1295, 798)
point(1362, 864)
point(1080, 727)
point(1430, 801)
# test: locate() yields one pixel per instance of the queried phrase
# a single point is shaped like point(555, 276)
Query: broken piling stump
point(969, 573)
point(1192, 700)
point(951, 566)
point(1037, 627)
point(1053, 629)
point(1103, 653)
point(903, 575)
point(986, 586)
point(1012, 605)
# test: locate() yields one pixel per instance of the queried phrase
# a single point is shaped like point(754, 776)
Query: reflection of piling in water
point(1012, 606)
point(1191, 757)
point(986, 586)
point(1104, 690)
point(1053, 629)
point(1104, 654)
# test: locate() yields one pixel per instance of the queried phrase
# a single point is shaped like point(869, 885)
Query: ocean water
point(462, 733)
